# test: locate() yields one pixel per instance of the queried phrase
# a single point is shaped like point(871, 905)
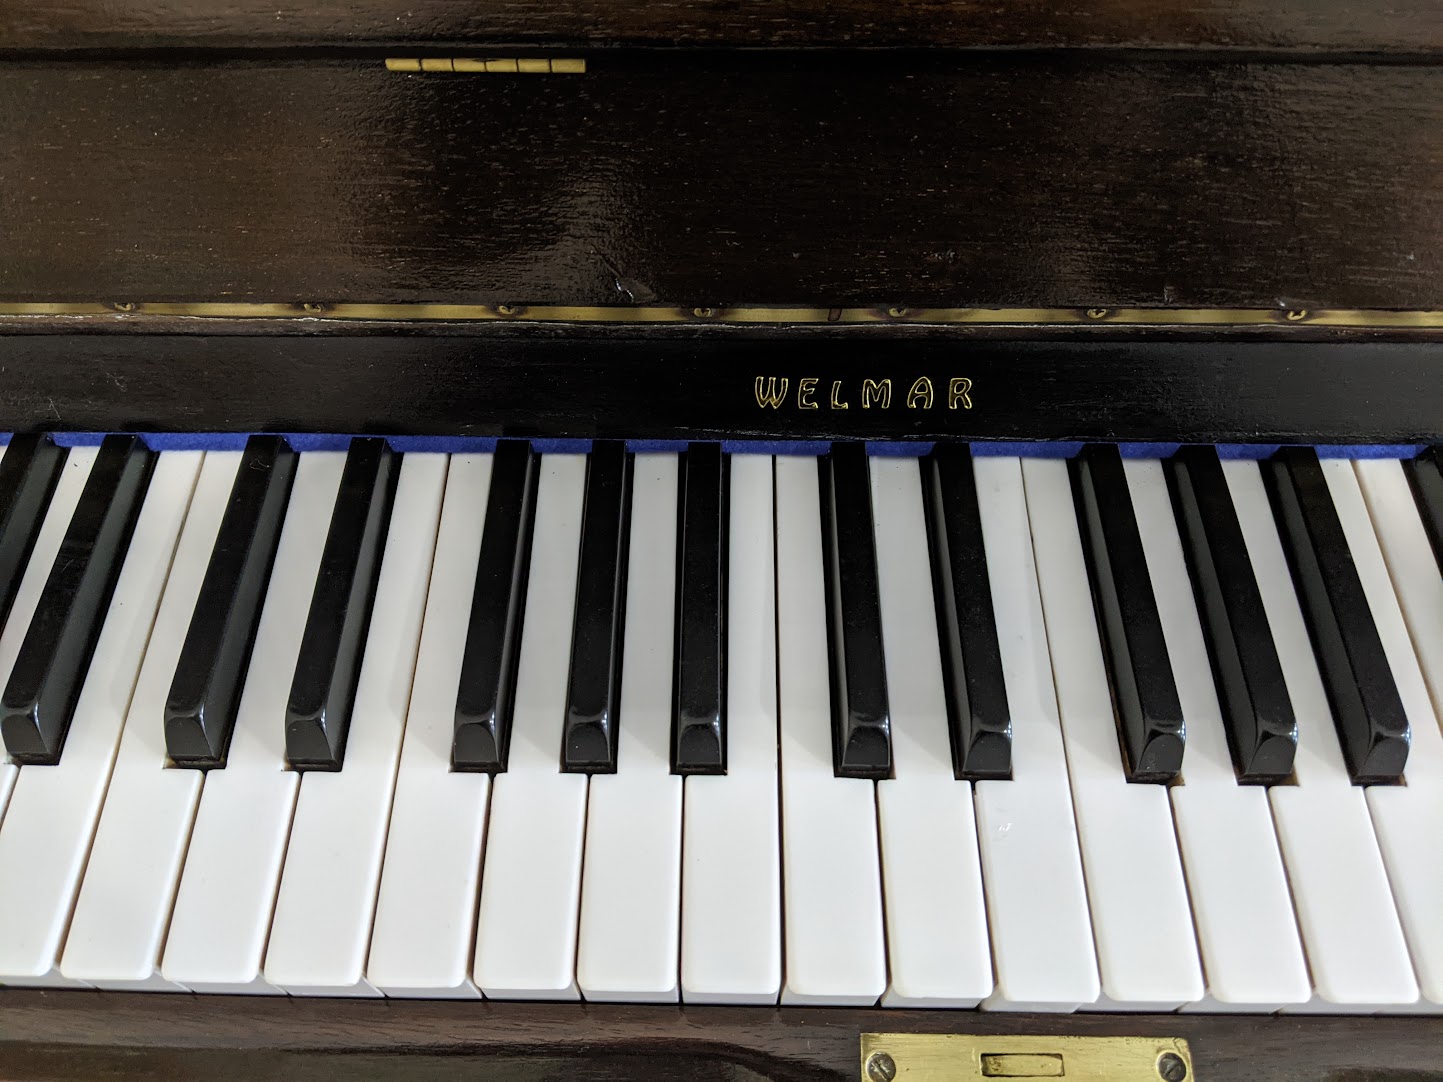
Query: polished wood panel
point(679, 385)
point(46, 1035)
point(715, 179)
point(1339, 25)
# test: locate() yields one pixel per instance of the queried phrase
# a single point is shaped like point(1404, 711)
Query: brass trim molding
point(1380, 319)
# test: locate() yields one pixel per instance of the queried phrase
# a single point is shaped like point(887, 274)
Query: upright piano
point(859, 540)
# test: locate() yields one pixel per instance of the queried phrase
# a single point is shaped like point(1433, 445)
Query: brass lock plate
point(933, 1057)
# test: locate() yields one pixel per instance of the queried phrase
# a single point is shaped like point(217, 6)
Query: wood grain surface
point(727, 179)
point(46, 1035)
point(1402, 26)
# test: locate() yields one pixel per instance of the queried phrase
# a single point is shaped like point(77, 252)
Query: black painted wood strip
point(200, 711)
point(29, 472)
point(1425, 477)
point(1367, 709)
point(861, 715)
point(1261, 727)
point(328, 666)
point(593, 693)
point(978, 715)
point(690, 387)
point(1020, 182)
point(1150, 722)
point(486, 695)
point(50, 669)
point(699, 715)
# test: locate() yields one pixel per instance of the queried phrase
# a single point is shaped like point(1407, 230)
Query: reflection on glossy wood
point(45, 1035)
point(1400, 26)
point(914, 179)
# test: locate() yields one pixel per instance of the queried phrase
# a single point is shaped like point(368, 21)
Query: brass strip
point(926, 1057)
point(531, 65)
point(1378, 319)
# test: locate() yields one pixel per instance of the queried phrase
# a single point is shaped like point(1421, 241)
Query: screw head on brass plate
point(881, 1067)
point(926, 1057)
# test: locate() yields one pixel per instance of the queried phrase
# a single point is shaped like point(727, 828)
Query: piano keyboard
point(1108, 733)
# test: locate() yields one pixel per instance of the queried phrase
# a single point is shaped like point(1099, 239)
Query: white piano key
point(527, 924)
point(937, 947)
point(227, 892)
point(631, 886)
point(1405, 817)
point(32, 582)
point(1042, 943)
point(835, 950)
point(731, 922)
point(322, 925)
point(1356, 953)
point(426, 904)
point(1146, 946)
point(46, 838)
point(1247, 933)
point(125, 898)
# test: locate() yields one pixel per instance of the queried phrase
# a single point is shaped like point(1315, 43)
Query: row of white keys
point(46, 837)
point(227, 890)
point(526, 927)
point(124, 904)
point(631, 886)
point(937, 948)
point(835, 944)
point(1406, 817)
point(731, 913)
point(1251, 952)
point(1142, 923)
point(1357, 956)
point(323, 914)
point(1042, 941)
point(425, 916)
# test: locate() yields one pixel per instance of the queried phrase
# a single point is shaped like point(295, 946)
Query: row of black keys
point(40, 697)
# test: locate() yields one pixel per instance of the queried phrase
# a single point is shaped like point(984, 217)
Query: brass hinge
point(526, 65)
point(928, 1057)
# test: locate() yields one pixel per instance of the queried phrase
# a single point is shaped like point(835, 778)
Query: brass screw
point(881, 1067)
point(1097, 313)
point(897, 313)
point(704, 313)
point(1296, 314)
point(313, 307)
point(1171, 1068)
point(507, 309)
point(124, 306)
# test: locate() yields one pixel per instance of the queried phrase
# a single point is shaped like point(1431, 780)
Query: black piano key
point(328, 666)
point(1257, 711)
point(1144, 693)
point(29, 472)
point(861, 718)
point(698, 725)
point(1425, 477)
point(593, 693)
point(977, 711)
point(200, 710)
point(40, 697)
point(1367, 710)
point(487, 692)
